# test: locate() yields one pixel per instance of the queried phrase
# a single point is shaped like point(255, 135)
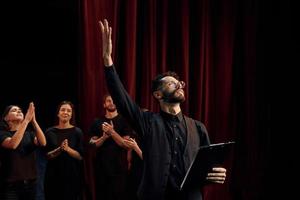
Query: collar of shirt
point(169, 117)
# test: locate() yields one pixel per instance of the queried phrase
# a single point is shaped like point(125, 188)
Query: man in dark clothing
point(170, 139)
point(111, 166)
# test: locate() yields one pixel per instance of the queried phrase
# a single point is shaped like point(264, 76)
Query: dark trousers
point(41, 170)
point(111, 187)
point(20, 190)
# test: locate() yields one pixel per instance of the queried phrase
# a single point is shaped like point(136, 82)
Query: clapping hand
point(64, 145)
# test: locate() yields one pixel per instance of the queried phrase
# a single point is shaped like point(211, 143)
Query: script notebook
point(207, 157)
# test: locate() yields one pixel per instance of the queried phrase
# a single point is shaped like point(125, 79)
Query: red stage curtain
point(210, 44)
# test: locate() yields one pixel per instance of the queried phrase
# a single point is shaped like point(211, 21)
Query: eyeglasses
point(172, 84)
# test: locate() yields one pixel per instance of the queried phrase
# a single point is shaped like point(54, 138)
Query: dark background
point(39, 57)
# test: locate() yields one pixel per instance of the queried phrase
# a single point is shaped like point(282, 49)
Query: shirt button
point(176, 138)
point(175, 152)
point(174, 126)
point(174, 166)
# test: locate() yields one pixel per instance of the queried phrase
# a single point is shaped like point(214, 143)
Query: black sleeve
point(4, 135)
point(95, 128)
point(79, 145)
point(50, 138)
point(127, 130)
point(127, 107)
point(31, 146)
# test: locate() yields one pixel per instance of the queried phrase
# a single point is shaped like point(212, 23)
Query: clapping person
point(18, 145)
point(64, 173)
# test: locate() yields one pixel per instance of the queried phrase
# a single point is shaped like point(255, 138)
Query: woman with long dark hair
point(63, 178)
point(18, 145)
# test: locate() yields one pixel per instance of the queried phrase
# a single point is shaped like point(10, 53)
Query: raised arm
point(39, 134)
point(123, 101)
point(14, 141)
point(106, 31)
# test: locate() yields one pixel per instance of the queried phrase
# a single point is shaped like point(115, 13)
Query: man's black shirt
point(176, 133)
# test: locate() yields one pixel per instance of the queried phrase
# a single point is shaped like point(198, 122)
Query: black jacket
point(156, 149)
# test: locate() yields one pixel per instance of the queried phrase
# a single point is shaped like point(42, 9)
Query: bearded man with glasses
point(170, 139)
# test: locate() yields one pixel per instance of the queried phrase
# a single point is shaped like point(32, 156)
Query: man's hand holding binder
point(206, 167)
point(217, 175)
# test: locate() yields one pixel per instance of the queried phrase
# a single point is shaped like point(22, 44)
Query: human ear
point(157, 94)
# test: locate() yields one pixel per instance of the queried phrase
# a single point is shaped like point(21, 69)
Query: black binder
point(207, 157)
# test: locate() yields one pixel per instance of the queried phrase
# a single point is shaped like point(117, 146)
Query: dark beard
point(111, 109)
point(171, 98)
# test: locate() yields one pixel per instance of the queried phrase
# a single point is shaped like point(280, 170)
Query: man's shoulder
point(197, 122)
point(99, 120)
point(96, 122)
point(120, 117)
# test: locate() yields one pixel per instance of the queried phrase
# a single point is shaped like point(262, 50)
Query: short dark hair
point(157, 82)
